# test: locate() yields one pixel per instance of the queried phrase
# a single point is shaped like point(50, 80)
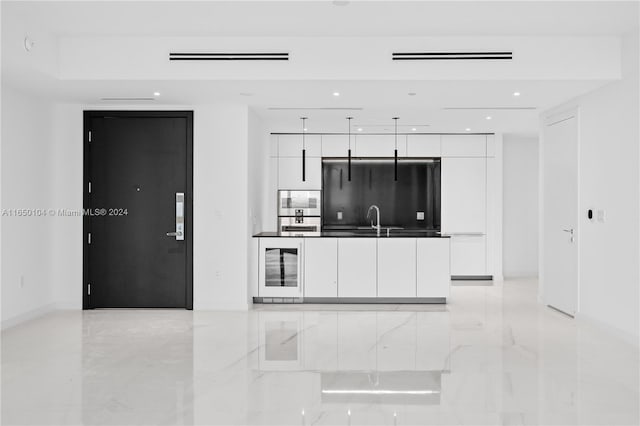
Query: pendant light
point(349, 160)
point(304, 149)
point(395, 152)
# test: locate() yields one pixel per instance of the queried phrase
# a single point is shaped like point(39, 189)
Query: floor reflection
point(492, 356)
point(387, 387)
point(138, 368)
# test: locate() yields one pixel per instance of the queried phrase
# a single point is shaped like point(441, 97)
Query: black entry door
point(135, 165)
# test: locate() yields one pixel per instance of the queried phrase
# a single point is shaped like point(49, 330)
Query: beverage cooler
point(281, 263)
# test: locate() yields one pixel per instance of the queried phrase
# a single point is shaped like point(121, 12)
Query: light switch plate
point(419, 215)
point(601, 216)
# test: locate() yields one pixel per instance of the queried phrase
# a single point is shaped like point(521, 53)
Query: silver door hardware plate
point(339, 215)
point(419, 215)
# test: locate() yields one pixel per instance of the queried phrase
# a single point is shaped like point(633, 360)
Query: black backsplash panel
point(372, 182)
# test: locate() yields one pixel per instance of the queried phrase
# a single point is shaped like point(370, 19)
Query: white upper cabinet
point(379, 145)
point(290, 173)
point(337, 145)
point(273, 146)
point(397, 267)
point(423, 146)
point(491, 145)
point(463, 195)
point(464, 145)
point(291, 145)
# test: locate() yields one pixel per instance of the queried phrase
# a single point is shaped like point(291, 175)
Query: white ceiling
point(323, 18)
point(379, 100)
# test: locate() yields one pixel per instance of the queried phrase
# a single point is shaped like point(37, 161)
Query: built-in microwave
point(299, 203)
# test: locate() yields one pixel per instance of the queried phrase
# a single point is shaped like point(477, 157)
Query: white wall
point(67, 182)
point(42, 167)
point(26, 241)
point(609, 180)
point(520, 203)
point(220, 205)
point(259, 193)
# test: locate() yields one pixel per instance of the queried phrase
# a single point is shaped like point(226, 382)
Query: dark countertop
point(394, 233)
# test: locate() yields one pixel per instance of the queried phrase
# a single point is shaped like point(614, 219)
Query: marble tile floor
point(492, 356)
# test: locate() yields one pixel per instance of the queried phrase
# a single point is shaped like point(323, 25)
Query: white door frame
point(548, 120)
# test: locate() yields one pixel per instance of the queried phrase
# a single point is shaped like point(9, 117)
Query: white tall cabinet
point(464, 202)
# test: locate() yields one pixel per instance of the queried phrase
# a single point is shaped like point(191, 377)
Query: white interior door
point(560, 213)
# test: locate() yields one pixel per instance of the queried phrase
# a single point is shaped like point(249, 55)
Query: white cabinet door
point(321, 267)
point(357, 267)
point(337, 145)
point(463, 195)
point(491, 145)
point(433, 267)
point(291, 145)
point(468, 255)
point(380, 145)
point(464, 145)
point(397, 267)
point(273, 146)
point(290, 173)
point(423, 146)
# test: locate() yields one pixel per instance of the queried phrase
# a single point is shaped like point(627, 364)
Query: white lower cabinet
point(468, 255)
point(433, 267)
point(357, 267)
point(397, 267)
point(321, 267)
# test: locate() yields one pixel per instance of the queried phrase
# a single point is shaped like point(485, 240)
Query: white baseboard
point(609, 329)
point(28, 316)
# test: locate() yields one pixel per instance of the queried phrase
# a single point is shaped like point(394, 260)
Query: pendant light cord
point(304, 128)
point(349, 151)
point(395, 152)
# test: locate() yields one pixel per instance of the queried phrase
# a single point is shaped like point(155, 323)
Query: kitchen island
point(353, 266)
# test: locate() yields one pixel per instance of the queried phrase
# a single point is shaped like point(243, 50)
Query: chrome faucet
point(377, 225)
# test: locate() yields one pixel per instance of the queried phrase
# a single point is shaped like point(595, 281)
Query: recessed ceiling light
point(516, 93)
point(336, 93)
point(156, 93)
point(467, 129)
point(359, 129)
point(488, 117)
point(304, 130)
point(411, 93)
point(413, 129)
